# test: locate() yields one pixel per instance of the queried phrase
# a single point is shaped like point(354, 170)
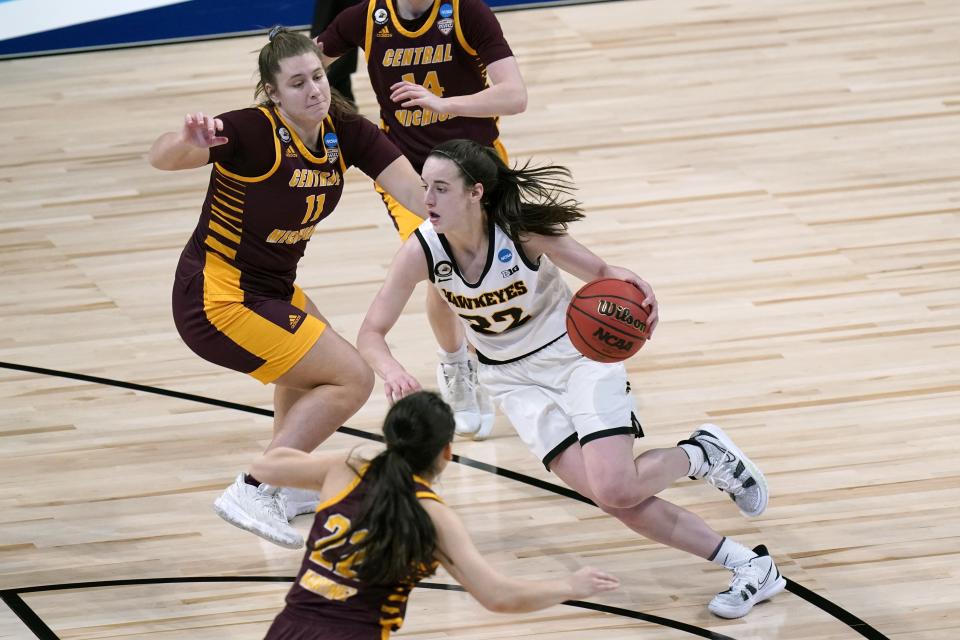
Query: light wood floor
point(786, 175)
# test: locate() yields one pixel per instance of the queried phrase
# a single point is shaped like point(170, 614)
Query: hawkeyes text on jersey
point(515, 307)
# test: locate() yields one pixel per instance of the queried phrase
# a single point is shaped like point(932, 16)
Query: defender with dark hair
point(278, 171)
point(493, 247)
point(381, 528)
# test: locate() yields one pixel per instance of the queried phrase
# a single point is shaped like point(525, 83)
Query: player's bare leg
point(317, 395)
point(755, 576)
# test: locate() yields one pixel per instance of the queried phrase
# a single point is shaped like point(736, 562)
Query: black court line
point(831, 608)
point(30, 618)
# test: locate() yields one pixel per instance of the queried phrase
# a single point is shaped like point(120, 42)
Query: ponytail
point(401, 542)
point(520, 200)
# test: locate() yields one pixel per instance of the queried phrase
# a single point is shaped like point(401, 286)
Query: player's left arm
point(285, 467)
point(506, 95)
point(578, 260)
point(402, 181)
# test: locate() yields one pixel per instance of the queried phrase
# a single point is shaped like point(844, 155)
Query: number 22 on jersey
point(337, 525)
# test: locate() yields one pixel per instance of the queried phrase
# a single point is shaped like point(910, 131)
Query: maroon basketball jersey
point(433, 50)
point(329, 590)
point(267, 193)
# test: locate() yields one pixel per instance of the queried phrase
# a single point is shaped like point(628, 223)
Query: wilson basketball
point(605, 320)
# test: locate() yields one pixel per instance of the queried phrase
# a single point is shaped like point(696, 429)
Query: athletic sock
point(448, 357)
point(697, 459)
point(250, 480)
point(731, 554)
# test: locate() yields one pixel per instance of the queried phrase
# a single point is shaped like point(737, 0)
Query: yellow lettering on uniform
point(275, 235)
point(417, 115)
point(303, 177)
point(294, 178)
point(416, 58)
point(427, 55)
point(407, 56)
point(438, 53)
point(448, 53)
point(387, 57)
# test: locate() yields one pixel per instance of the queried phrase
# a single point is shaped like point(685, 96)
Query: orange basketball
point(605, 320)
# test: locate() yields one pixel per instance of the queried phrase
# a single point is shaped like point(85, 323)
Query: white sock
point(459, 355)
point(695, 454)
point(731, 554)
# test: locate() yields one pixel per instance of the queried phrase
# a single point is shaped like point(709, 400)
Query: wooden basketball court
point(783, 172)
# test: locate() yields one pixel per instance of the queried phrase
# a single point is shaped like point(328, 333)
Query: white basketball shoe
point(259, 510)
point(755, 581)
point(473, 410)
point(298, 502)
point(729, 469)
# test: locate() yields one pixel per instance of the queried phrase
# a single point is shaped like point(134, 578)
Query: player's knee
point(360, 383)
point(614, 493)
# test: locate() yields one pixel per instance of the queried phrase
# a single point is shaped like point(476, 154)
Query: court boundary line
point(44, 632)
point(827, 606)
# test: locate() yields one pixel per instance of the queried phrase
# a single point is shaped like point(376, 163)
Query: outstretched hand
point(201, 131)
point(589, 581)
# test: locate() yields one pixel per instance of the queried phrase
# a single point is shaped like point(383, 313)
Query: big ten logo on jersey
point(445, 23)
point(325, 585)
point(330, 144)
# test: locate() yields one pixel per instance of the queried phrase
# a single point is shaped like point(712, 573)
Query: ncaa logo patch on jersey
point(284, 134)
point(330, 142)
point(445, 23)
point(443, 271)
point(505, 255)
point(380, 15)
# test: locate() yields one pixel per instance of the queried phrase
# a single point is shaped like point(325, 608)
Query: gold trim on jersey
point(305, 151)
point(422, 30)
point(276, 155)
point(368, 36)
point(343, 493)
point(462, 39)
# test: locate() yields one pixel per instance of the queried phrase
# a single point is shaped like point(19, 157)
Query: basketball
point(605, 320)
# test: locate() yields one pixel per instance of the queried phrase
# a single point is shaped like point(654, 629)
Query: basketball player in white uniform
point(492, 246)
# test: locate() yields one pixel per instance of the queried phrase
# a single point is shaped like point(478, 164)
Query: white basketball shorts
point(556, 396)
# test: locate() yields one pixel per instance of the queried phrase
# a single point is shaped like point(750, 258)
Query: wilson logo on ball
point(621, 313)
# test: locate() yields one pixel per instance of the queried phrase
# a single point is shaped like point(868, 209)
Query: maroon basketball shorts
point(262, 337)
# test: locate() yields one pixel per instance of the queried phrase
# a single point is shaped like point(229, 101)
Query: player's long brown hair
point(284, 44)
point(400, 545)
point(520, 200)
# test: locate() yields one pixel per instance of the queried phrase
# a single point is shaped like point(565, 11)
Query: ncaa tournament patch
point(505, 255)
point(445, 23)
point(330, 142)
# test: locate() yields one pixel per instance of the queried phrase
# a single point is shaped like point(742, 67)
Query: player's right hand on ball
point(588, 581)
point(201, 131)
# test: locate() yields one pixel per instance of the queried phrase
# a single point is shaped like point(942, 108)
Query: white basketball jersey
point(514, 309)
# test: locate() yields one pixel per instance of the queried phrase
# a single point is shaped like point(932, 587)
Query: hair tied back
point(274, 32)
